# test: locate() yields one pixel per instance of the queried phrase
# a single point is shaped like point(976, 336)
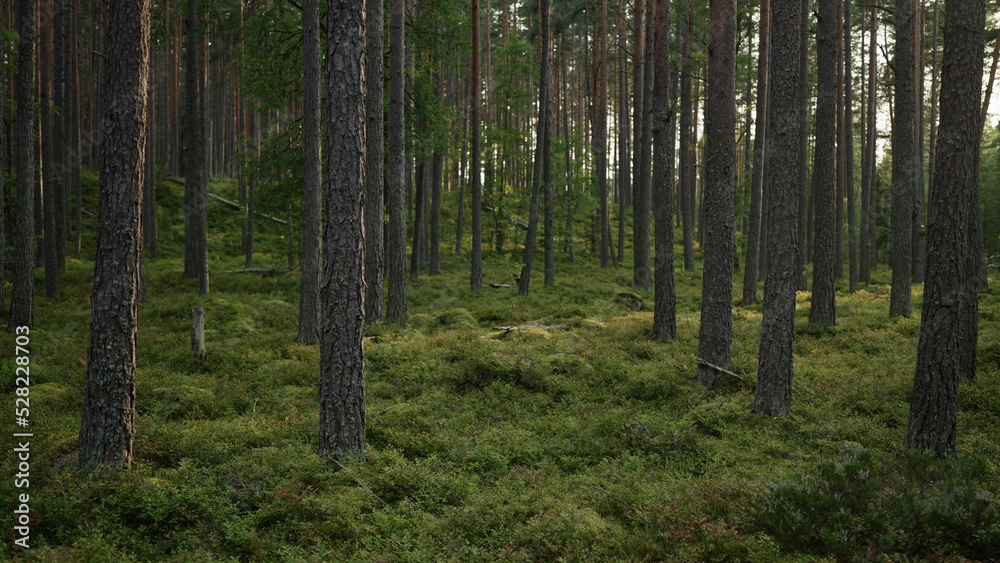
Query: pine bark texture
point(803, 109)
point(902, 162)
point(664, 297)
point(312, 175)
point(950, 290)
point(716, 330)
point(685, 172)
point(375, 176)
point(759, 141)
point(600, 132)
point(192, 162)
point(22, 307)
point(342, 362)
point(823, 308)
point(867, 250)
point(773, 395)
point(476, 273)
point(106, 423)
point(852, 219)
point(396, 175)
point(541, 136)
point(50, 193)
point(3, 165)
point(641, 201)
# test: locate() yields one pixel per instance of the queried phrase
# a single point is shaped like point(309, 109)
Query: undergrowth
point(586, 444)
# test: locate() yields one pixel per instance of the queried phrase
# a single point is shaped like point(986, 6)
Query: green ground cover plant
point(586, 444)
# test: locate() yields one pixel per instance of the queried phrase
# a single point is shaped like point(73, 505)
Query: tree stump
point(198, 333)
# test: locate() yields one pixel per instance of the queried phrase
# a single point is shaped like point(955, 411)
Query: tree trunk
point(872, 103)
point(600, 120)
point(918, 248)
point(852, 220)
point(624, 193)
point(50, 192)
point(396, 183)
point(902, 162)
point(309, 318)
point(664, 297)
point(947, 349)
point(437, 176)
point(4, 147)
point(374, 189)
point(22, 307)
point(867, 180)
point(823, 307)
point(686, 173)
point(547, 189)
point(638, 87)
point(760, 134)
point(476, 274)
point(838, 261)
point(642, 276)
point(106, 423)
point(773, 395)
point(342, 362)
point(715, 335)
point(803, 110)
point(459, 226)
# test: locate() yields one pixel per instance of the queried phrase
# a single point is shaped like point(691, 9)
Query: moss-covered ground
point(587, 444)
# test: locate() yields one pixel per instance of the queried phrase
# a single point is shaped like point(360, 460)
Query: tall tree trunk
point(638, 76)
point(193, 162)
point(838, 261)
point(872, 103)
point(396, 177)
point(716, 330)
point(947, 348)
point(664, 297)
point(59, 131)
point(932, 148)
point(823, 307)
point(642, 276)
point(760, 136)
point(476, 275)
point(542, 137)
point(342, 362)
point(852, 219)
point(803, 111)
point(902, 162)
point(437, 176)
point(374, 189)
point(773, 395)
point(76, 158)
point(569, 167)
point(4, 148)
point(149, 181)
point(459, 223)
point(868, 116)
point(106, 423)
point(547, 189)
point(50, 192)
point(600, 120)
point(309, 317)
point(22, 306)
point(686, 173)
point(918, 235)
point(623, 194)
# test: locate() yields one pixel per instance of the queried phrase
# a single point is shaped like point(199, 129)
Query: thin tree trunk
point(852, 219)
point(823, 307)
point(686, 172)
point(459, 231)
point(803, 111)
point(106, 423)
point(664, 297)
point(642, 276)
point(760, 135)
point(476, 274)
point(396, 177)
point(715, 332)
point(902, 162)
point(918, 234)
point(600, 119)
point(50, 192)
point(309, 306)
point(374, 208)
point(838, 261)
point(872, 103)
point(22, 307)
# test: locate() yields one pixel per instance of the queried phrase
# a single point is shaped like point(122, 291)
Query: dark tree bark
point(773, 395)
point(918, 246)
point(374, 189)
point(716, 331)
point(759, 141)
point(396, 176)
point(542, 137)
point(106, 424)
point(547, 188)
point(867, 164)
point(952, 269)
point(149, 181)
point(838, 260)
point(3, 164)
point(902, 162)
point(59, 131)
point(22, 307)
point(342, 362)
point(642, 276)
point(476, 275)
point(437, 173)
point(309, 318)
point(803, 109)
point(600, 121)
point(50, 192)
point(459, 223)
point(195, 181)
point(664, 297)
point(686, 173)
point(623, 187)
point(852, 220)
point(823, 307)
point(638, 87)
point(74, 134)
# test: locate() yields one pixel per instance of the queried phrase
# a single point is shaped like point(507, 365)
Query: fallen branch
point(508, 329)
point(702, 362)
point(237, 206)
point(360, 482)
point(262, 271)
point(500, 285)
point(82, 210)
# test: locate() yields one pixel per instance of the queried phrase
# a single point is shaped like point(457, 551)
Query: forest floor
point(586, 444)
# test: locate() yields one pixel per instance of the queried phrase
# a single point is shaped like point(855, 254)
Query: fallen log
point(507, 329)
point(500, 285)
